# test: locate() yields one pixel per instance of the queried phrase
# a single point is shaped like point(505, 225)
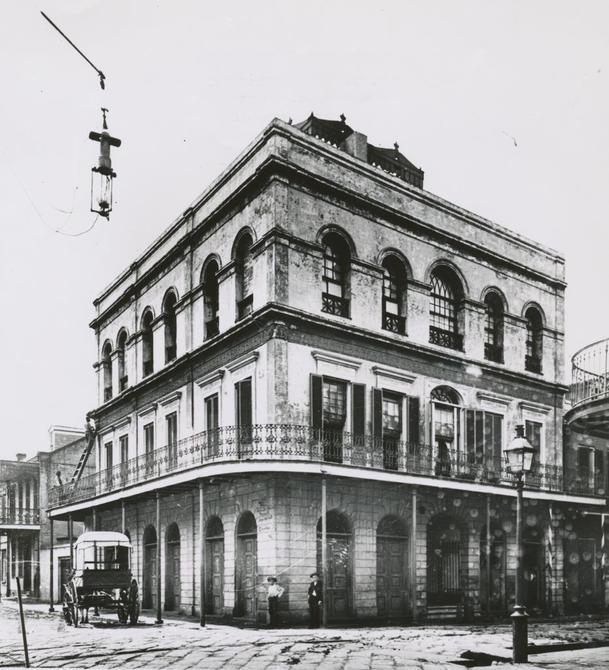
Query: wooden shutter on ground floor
point(316, 402)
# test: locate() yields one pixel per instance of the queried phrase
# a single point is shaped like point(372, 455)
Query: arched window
point(335, 295)
point(121, 343)
point(445, 303)
point(394, 295)
point(244, 276)
point(147, 343)
point(169, 313)
point(533, 358)
point(211, 301)
point(107, 368)
point(493, 328)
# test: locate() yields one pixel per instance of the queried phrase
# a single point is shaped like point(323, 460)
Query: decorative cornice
point(538, 408)
point(169, 398)
point(211, 378)
point(243, 361)
point(393, 374)
point(152, 407)
point(334, 359)
point(494, 398)
point(122, 422)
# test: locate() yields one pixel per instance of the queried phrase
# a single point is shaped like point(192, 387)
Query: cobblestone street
point(183, 644)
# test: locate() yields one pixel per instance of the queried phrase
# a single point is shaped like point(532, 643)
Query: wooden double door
point(215, 575)
point(247, 558)
point(390, 576)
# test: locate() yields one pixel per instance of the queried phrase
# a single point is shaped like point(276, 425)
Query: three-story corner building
point(318, 332)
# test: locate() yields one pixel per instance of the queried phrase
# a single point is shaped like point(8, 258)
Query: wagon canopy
point(103, 538)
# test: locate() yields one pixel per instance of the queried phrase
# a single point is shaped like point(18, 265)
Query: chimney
point(356, 145)
point(20, 457)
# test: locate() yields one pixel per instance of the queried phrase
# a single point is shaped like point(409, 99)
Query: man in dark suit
point(315, 600)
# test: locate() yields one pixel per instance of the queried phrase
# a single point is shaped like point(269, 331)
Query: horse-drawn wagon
point(101, 578)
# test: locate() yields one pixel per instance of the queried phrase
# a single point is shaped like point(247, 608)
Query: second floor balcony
point(590, 373)
point(287, 442)
point(19, 517)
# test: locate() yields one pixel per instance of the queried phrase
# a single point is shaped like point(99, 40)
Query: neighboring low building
point(318, 329)
point(25, 529)
point(19, 524)
point(58, 466)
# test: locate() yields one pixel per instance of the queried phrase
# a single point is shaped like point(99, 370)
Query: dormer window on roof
point(343, 137)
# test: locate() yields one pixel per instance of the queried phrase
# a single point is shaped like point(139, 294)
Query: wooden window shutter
point(316, 402)
point(358, 407)
point(243, 397)
point(414, 420)
point(377, 413)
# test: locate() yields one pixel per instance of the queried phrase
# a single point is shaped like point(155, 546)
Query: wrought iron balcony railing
point(245, 306)
point(288, 442)
point(212, 327)
point(394, 323)
point(19, 517)
point(493, 352)
point(445, 338)
point(590, 373)
point(532, 364)
point(334, 304)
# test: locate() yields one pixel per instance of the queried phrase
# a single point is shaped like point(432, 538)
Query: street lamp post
point(519, 456)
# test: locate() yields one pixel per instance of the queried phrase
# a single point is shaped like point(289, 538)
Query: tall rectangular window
point(171, 424)
point(243, 415)
point(484, 441)
point(108, 451)
point(533, 433)
point(334, 416)
point(149, 447)
point(123, 442)
point(211, 424)
point(124, 448)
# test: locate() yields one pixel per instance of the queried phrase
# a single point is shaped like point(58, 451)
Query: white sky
point(189, 84)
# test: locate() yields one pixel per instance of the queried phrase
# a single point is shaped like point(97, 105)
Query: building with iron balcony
point(318, 337)
point(19, 525)
point(586, 439)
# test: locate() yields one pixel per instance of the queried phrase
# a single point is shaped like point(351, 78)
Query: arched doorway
point(533, 566)
point(444, 547)
point(172, 568)
point(149, 576)
point(583, 568)
point(492, 572)
point(214, 556)
point(245, 568)
point(338, 558)
point(391, 540)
